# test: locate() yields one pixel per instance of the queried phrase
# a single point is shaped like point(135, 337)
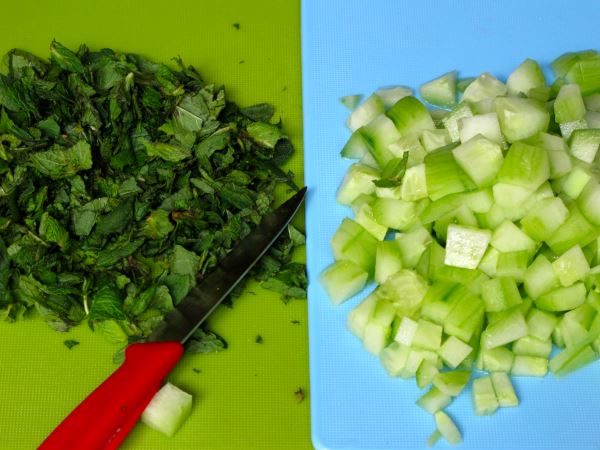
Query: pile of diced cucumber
point(479, 221)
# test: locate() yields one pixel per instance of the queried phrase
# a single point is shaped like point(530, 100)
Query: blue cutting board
point(351, 47)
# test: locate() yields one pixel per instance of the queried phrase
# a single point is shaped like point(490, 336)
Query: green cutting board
point(244, 396)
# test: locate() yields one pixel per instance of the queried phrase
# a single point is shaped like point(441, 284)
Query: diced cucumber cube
point(450, 122)
point(365, 217)
point(434, 400)
point(394, 358)
point(447, 428)
point(434, 139)
point(541, 323)
point(497, 359)
point(363, 114)
point(480, 158)
point(484, 396)
point(351, 101)
point(544, 218)
point(529, 366)
point(479, 201)
point(406, 331)
point(452, 382)
point(521, 118)
point(168, 409)
point(513, 264)
point(562, 299)
point(569, 106)
point(356, 147)
point(571, 266)
point(527, 76)
point(443, 175)
point(504, 390)
point(486, 125)
point(358, 180)
point(540, 277)
point(500, 294)
point(379, 134)
point(405, 289)
point(575, 230)
point(392, 213)
point(441, 91)
point(589, 202)
point(428, 335)
point(351, 242)
point(388, 260)
point(576, 181)
point(454, 351)
point(525, 165)
point(426, 373)
point(414, 184)
point(413, 243)
point(584, 144)
point(375, 337)
point(410, 116)
point(359, 317)
point(391, 95)
point(342, 280)
point(567, 128)
point(509, 238)
point(483, 87)
point(532, 346)
point(508, 329)
point(465, 246)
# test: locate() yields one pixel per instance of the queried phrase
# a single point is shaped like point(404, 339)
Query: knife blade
point(105, 417)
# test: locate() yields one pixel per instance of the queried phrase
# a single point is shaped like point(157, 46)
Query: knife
point(105, 417)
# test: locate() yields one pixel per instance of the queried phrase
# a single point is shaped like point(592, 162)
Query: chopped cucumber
point(527, 76)
point(495, 205)
point(388, 260)
point(569, 106)
point(441, 91)
point(521, 118)
point(504, 390)
point(452, 382)
point(584, 144)
point(367, 111)
point(358, 180)
point(483, 87)
point(447, 428)
point(484, 396)
point(465, 246)
point(168, 409)
point(351, 101)
point(529, 366)
point(391, 95)
point(410, 116)
point(342, 280)
point(480, 158)
point(486, 125)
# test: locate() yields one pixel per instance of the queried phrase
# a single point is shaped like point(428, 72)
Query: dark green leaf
point(106, 304)
point(205, 342)
point(157, 225)
point(168, 152)
point(63, 163)
point(70, 343)
point(65, 58)
point(264, 134)
point(259, 113)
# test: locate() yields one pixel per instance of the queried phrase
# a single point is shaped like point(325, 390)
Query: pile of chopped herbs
point(122, 181)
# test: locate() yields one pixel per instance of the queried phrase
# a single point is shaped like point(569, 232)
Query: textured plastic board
point(354, 47)
point(243, 397)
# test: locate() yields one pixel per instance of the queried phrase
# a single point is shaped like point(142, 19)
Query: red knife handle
point(105, 417)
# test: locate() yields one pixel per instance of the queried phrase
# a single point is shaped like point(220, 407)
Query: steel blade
point(180, 324)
